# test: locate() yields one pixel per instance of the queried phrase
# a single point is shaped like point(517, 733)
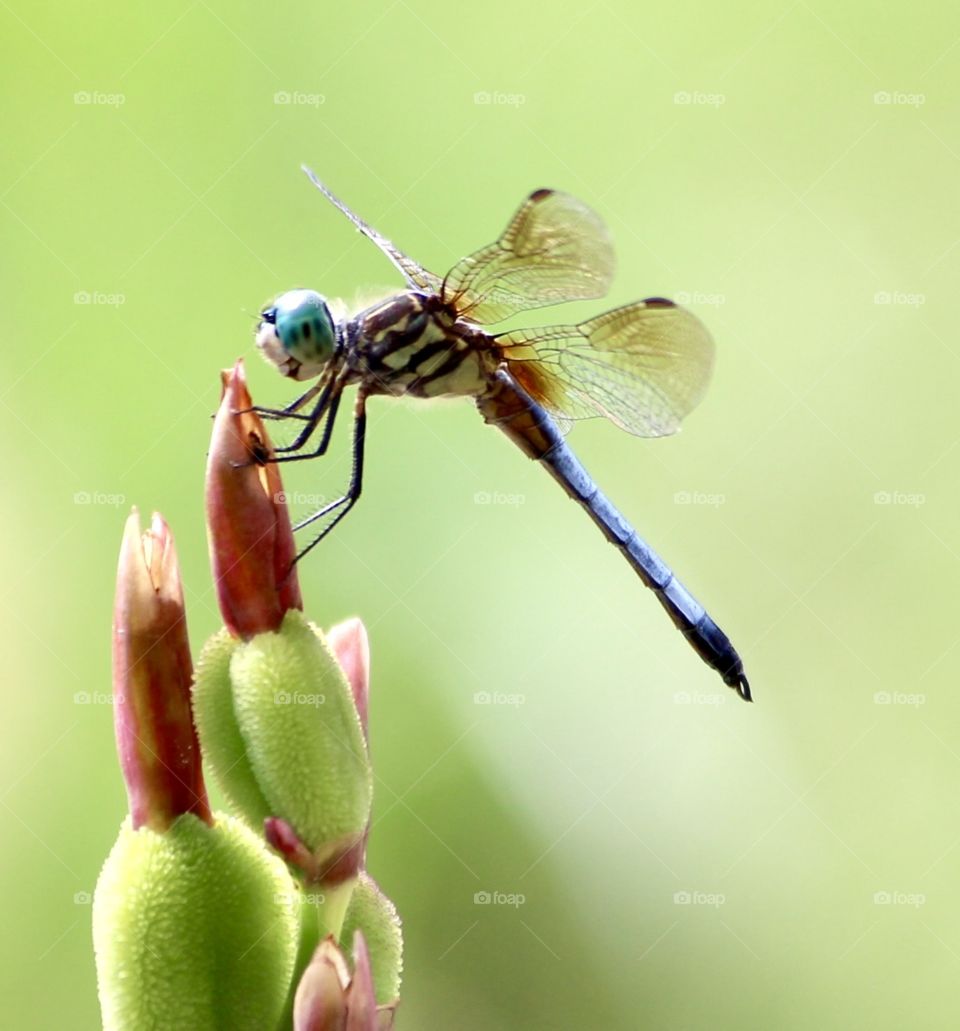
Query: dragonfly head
point(297, 333)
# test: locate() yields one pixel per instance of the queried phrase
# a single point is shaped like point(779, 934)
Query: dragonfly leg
point(275, 413)
point(326, 406)
point(291, 411)
point(342, 505)
point(321, 448)
point(323, 406)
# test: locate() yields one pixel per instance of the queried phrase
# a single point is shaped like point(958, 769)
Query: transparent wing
point(417, 276)
point(555, 249)
point(644, 366)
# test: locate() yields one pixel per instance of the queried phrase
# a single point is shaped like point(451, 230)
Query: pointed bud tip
point(351, 646)
point(328, 998)
point(361, 1000)
point(320, 1003)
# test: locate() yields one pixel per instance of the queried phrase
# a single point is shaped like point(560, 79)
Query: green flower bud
point(374, 915)
point(192, 929)
point(222, 743)
point(280, 730)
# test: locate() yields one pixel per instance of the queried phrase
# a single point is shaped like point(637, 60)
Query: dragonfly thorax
point(297, 333)
point(411, 343)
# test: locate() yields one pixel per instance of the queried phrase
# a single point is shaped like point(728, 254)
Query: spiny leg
point(328, 400)
point(331, 405)
point(349, 499)
point(292, 410)
point(325, 406)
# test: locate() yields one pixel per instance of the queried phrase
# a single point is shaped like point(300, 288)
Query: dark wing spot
point(539, 195)
point(658, 302)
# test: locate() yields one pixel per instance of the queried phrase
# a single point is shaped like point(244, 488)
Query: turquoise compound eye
point(304, 326)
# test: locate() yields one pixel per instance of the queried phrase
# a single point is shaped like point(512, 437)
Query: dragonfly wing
point(555, 249)
point(643, 366)
point(417, 276)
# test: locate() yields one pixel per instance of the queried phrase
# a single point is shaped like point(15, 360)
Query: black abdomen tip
point(740, 684)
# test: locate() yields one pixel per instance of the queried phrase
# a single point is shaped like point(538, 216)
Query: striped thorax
point(412, 344)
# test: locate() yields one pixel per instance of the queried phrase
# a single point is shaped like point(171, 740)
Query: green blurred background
point(790, 170)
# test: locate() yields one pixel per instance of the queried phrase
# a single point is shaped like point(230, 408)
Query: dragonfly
point(644, 366)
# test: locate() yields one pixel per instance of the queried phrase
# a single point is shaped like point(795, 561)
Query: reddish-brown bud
point(152, 673)
point(251, 540)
